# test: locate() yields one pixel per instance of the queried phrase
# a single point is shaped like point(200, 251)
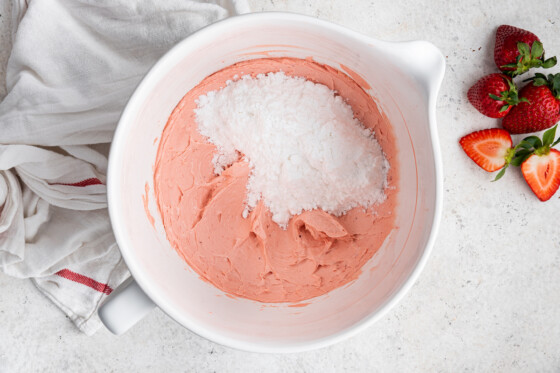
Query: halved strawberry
point(542, 173)
point(541, 165)
point(491, 149)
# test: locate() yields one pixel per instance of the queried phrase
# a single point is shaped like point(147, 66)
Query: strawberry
point(540, 108)
point(491, 149)
point(542, 173)
point(541, 169)
point(494, 95)
point(517, 50)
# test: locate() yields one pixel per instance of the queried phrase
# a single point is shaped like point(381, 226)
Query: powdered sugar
point(305, 147)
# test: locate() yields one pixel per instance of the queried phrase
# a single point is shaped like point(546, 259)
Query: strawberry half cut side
point(542, 173)
point(491, 149)
point(541, 167)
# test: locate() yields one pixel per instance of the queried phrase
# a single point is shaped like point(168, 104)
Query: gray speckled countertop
point(489, 298)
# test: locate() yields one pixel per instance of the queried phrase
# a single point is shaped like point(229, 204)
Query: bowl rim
point(113, 185)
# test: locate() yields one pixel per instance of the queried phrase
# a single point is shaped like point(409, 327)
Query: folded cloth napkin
point(73, 65)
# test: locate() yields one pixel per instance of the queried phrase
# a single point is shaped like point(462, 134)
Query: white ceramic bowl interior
point(404, 77)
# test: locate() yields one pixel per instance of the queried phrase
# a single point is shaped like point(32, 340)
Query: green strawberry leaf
point(500, 174)
point(528, 58)
point(548, 136)
point(509, 65)
point(532, 142)
point(523, 49)
point(540, 81)
point(552, 81)
point(548, 63)
point(520, 157)
point(536, 49)
point(555, 142)
point(523, 152)
point(525, 145)
point(555, 86)
point(510, 97)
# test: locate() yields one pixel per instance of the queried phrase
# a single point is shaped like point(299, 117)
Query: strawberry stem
point(510, 97)
point(528, 58)
point(543, 150)
point(552, 81)
point(531, 145)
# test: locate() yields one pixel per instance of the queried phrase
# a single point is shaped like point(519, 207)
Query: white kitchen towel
point(73, 65)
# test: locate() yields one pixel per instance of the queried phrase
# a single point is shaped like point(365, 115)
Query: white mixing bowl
point(405, 79)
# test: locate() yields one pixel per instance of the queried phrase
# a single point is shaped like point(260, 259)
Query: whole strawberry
point(517, 50)
point(494, 95)
point(540, 109)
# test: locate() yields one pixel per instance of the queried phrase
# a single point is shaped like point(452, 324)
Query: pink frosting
point(253, 257)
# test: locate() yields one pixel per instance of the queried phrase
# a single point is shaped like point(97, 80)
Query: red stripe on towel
point(76, 277)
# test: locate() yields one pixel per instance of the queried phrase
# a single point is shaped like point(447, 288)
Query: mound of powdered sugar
point(304, 146)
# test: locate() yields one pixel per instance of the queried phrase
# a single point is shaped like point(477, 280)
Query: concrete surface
point(489, 298)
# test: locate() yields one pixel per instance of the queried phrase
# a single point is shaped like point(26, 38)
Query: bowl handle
point(124, 307)
point(425, 62)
